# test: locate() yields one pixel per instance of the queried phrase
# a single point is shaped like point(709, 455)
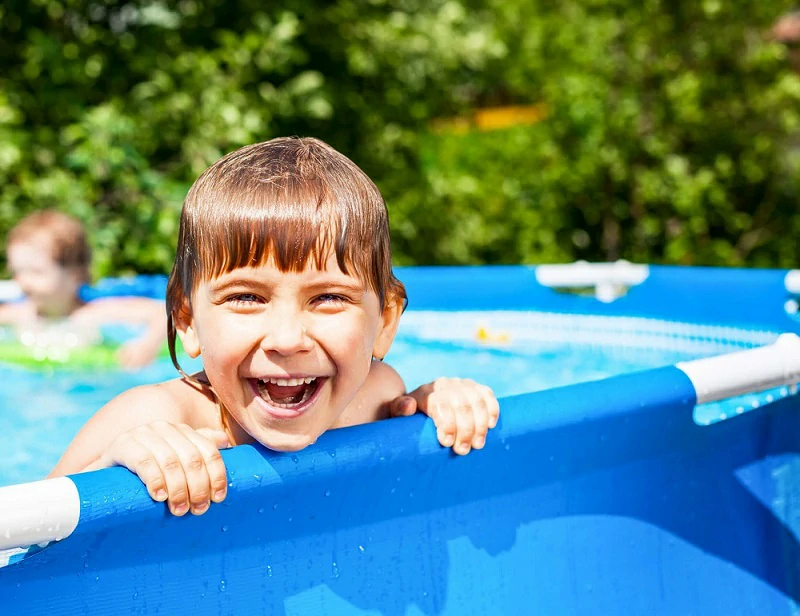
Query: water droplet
point(425, 593)
point(136, 595)
point(754, 404)
point(333, 454)
point(222, 585)
point(770, 398)
point(739, 410)
point(97, 579)
point(261, 510)
point(275, 506)
point(382, 458)
point(257, 478)
point(507, 447)
point(230, 485)
point(723, 416)
point(327, 492)
point(361, 547)
point(335, 568)
point(295, 459)
point(269, 571)
point(224, 528)
point(290, 518)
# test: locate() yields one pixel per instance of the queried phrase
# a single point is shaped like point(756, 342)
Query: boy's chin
point(287, 443)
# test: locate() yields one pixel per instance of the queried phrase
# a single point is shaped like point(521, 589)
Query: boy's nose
point(286, 336)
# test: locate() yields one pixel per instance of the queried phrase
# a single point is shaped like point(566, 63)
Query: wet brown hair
point(64, 234)
point(294, 200)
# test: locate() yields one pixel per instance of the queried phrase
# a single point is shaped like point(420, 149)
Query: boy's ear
point(184, 326)
point(390, 319)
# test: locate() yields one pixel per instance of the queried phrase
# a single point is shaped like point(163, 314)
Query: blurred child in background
point(49, 258)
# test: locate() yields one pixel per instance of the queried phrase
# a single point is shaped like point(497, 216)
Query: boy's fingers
point(136, 457)
point(480, 415)
point(218, 437)
point(492, 405)
point(170, 462)
point(403, 406)
point(193, 464)
point(208, 443)
point(444, 420)
point(465, 424)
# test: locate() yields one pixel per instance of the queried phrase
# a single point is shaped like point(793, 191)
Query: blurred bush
point(666, 131)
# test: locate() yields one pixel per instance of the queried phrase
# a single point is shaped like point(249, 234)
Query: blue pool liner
point(602, 498)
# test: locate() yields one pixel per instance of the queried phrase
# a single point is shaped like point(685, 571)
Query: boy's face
point(286, 352)
point(52, 288)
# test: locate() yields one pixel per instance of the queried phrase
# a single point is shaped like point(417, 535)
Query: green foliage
point(668, 137)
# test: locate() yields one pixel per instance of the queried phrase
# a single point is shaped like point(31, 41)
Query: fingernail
point(181, 509)
point(219, 495)
point(478, 442)
point(463, 449)
point(161, 495)
point(200, 509)
point(447, 440)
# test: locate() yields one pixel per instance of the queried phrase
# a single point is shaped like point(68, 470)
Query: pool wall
point(597, 498)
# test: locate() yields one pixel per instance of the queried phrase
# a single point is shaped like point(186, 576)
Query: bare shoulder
point(175, 401)
point(371, 403)
point(383, 376)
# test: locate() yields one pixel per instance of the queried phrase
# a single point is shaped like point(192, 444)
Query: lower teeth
point(295, 401)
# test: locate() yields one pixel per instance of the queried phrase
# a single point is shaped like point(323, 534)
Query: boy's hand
point(176, 463)
point(462, 410)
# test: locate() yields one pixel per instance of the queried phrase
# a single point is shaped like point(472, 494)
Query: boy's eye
point(330, 298)
point(243, 298)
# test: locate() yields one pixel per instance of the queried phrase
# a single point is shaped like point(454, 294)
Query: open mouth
point(292, 395)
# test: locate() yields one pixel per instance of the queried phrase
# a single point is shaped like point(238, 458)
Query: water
point(43, 411)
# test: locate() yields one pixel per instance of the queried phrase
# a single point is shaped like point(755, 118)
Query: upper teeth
point(289, 382)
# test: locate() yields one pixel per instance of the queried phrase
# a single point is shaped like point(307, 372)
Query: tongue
point(286, 394)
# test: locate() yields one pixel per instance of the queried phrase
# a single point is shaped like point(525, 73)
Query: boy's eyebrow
point(323, 285)
point(218, 286)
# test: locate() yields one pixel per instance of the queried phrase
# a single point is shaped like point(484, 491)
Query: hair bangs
point(291, 226)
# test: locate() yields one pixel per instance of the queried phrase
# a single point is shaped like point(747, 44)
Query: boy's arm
point(131, 409)
point(142, 430)
point(462, 410)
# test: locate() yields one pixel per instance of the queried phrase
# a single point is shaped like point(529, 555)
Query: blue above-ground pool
point(671, 490)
